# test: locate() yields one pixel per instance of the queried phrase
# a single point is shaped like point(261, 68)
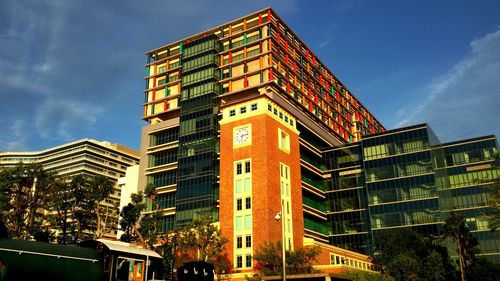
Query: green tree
point(269, 259)
point(23, 193)
point(68, 202)
point(130, 216)
point(466, 244)
point(407, 255)
point(137, 225)
point(485, 270)
point(494, 197)
point(98, 190)
point(356, 275)
point(203, 238)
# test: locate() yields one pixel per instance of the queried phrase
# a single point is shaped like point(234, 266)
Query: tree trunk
point(141, 239)
point(461, 260)
point(98, 229)
point(65, 218)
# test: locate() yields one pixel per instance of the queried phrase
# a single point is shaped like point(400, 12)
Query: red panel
point(271, 76)
point(165, 105)
point(310, 107)
point(288, 87)
point(294, 66)
point(230, 57)
point(245, 81)
point(268, 15)
point(260, 18)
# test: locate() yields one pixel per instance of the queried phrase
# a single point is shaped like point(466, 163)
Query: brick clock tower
point(259, 177)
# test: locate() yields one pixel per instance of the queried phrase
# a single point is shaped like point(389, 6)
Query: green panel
point(35, 262)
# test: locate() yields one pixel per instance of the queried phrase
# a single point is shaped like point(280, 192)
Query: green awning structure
point(29, 260)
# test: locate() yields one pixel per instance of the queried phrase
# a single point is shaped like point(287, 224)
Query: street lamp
point(281, 216)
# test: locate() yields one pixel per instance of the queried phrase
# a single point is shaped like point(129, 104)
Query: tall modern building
point(245, 122)
point(82, 157)
point(234, 113)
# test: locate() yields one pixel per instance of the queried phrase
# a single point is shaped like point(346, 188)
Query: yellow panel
point(172, 103)
point(237, 85)
point(158, 107)
point(253, 65)
point(254, 80)
point(237, 70)
point(174, 90)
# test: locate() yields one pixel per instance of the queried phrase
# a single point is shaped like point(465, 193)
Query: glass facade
point(197, 189)
point(402, 178)
point(469, 172)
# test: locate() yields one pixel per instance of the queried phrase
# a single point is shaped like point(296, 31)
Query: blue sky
point(74, 69)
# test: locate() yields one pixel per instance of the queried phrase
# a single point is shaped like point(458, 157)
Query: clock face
point(242, 135)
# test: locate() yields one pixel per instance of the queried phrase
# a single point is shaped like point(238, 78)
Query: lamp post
point(281, 216)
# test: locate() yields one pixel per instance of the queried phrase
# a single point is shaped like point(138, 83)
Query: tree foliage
point(406, 255)
point(130, 216)
point(494, 196)
point(23, 192)
point(138, 225)
point(34, 201)
point(466, 244)
point(80, 210)
point(203, 238)
point(356, 275)
point(270, 262)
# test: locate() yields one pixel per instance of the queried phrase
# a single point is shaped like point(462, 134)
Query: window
point(332, 259)
point(239, 242)
point(239, 222)
point(161, 69)
point(248, 203)
point(239, 187)
point(248, 185)
point(248, 241)
point(162, 81)
point(284, 140)
point(248, 261)
point(239, 169)
point(232, 112)
point(253, 107)
point(243, 109)
point(269, 107)
point(247, 167)
point(248, 222)
point(239, 205)
point(239, 261)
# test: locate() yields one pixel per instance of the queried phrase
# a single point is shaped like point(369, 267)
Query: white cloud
point(14, 139)
point(64, 119)
point(465, 101)
point(324, 43)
